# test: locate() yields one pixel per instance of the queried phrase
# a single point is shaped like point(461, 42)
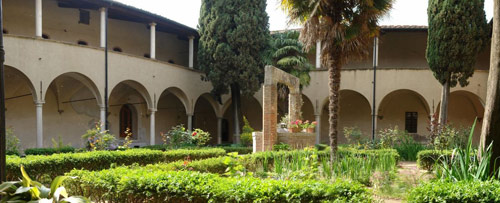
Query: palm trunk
point(236, 101)
point(333, 107)
point(491, 122)
point(445, 95)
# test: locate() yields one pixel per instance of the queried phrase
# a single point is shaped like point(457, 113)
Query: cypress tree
point(457, 32)
point(234, 38)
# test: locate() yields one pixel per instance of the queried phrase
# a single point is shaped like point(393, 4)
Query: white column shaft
point(318, 129)
point(190, 123)
point(318, 54)
point(191, 52)
point(219, 130)
point(152, 129)
point(38, 18)
point(103, 27)
point(103, 118)
point(39, 124)
point(152, 51)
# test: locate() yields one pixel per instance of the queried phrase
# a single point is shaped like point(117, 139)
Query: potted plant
point(295, 126)
point(309, 126)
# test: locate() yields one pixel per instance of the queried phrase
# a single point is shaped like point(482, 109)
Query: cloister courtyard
point(107, 102)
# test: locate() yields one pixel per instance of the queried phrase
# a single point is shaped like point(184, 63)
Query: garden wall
point(295, 140)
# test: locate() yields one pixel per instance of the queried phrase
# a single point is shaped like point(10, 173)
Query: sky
point(404, 12)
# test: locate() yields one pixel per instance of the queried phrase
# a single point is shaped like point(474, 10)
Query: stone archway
point(273, 76)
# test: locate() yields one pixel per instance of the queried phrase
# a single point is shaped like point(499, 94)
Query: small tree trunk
point(333, 107)
point(490, 131)
point(236, 101)
point(445, 95)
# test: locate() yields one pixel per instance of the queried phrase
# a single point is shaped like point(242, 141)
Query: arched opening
point(19, 108)
point(406, 109)
point(250, 108)
point(354, 111)
point(463, 108)
point(127, 123)
point(171, 111)
point(130, 100)
point(307, 109)
point(204, 116)
point(72, 99)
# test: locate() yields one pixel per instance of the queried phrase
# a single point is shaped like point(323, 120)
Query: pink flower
point(314, 122)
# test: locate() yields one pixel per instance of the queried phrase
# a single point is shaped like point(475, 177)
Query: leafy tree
point(234, 37)
point(345, 29)
point(457, 32)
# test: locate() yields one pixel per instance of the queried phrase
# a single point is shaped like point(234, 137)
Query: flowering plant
point(308, 124)
point(200, 137)
point(295, 124)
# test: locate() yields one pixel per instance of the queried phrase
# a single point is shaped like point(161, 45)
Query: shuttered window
point(411, 121)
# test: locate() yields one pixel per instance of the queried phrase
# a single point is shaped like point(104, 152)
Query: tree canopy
point(234, 38)
point(457, 32)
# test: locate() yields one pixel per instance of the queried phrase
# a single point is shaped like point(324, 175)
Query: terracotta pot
point(295, 130)
point(310, 130)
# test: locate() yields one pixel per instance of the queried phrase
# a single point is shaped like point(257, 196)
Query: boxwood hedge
point(48, 151)
point(57, 164)
point(240, 150)
point(129, 185)
point(441, 191)
point(427, 158)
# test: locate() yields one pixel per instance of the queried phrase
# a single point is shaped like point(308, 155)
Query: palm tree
point(287, 53)
point(345, 30)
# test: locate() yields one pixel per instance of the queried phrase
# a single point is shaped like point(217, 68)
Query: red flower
point(194, 134)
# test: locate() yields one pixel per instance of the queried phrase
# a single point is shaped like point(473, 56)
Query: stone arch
point(250, 108)
point(394, 106)
point(354, 111)
point(307, 109)
point(205, 116)
point(214, 104)
point(20, 95)
point(172, 110)
point(12, 73)
point(83, 79)
point(463, 108)
point(137, 86)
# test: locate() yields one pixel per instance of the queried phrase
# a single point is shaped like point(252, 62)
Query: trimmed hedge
point(440, 191)
point(48, 151)
point(240, 150)
point(427, 158)
point(58, 164)
point(128, 185)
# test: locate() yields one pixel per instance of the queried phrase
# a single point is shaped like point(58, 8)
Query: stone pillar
point(190, 123)
point(318, 128)
point(294, 105)
point(39, 124)
point(219, 130)
point(318, 54)
point(102, 122)
point(38, 18)
point(191, 51)
point(152, 51)
point(152, 128)
point(103, 27)
point(270, 105)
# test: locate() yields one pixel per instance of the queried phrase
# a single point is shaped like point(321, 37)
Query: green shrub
point(462, 191)
point(240, 150)
point(427, 158)
point(96, 139)
point(281, 147)
point(12, 142)
point(48, 151)
point(246, 133)
point(408, 148)
point(227, 148)
point(57, 164)
point(129, 185)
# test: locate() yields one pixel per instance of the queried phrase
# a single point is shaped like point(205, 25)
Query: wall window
point(117, 49)
point(81, 42)
point(411, 121)
point(84, 17)
point(125, 120)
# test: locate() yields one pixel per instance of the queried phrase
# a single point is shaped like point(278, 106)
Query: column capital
point(189, 114)
point(152, 110)
point(39, 103)
point(102, 9)
point(191, 37)
point(152, 24)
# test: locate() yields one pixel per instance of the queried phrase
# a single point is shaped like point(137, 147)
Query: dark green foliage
point(463, 191)
point(427, 158)
point(240, 150)
point(288, 54)
point(227, 148)
point(129, 185)
point(49, 151)
point(281, 147)
point(408, 148)
point(234, 36)
point(457, 32)
point(58, 164)
point(246, 135)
